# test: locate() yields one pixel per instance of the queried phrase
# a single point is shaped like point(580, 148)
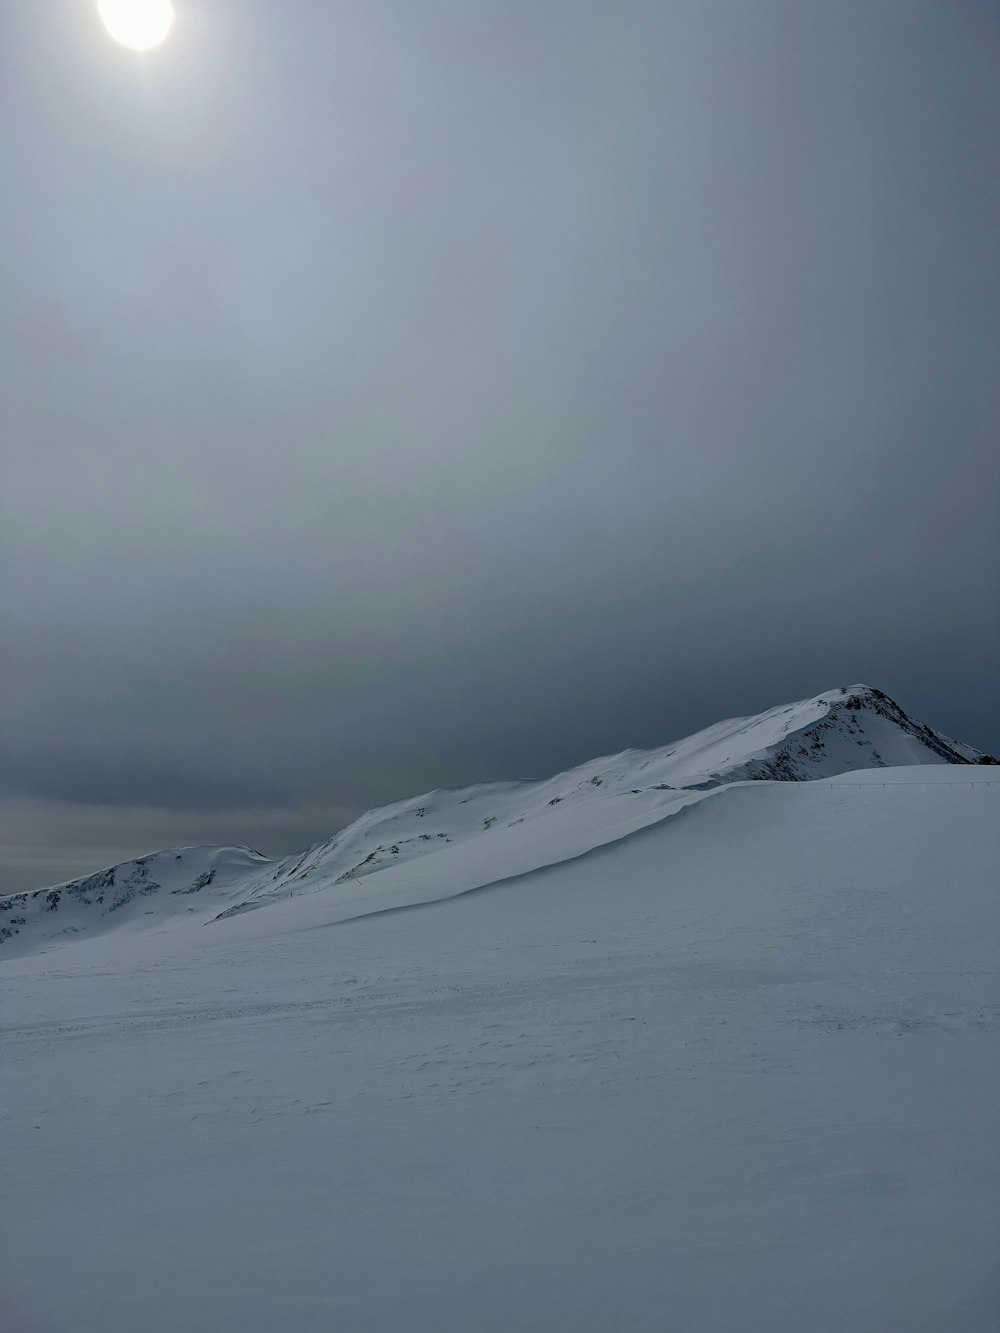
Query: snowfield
point(721, 1060)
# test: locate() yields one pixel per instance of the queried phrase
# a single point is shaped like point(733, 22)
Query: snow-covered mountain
point(483, 834)
point(125, 894)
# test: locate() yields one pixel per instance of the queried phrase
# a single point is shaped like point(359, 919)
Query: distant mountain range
point(447, 842)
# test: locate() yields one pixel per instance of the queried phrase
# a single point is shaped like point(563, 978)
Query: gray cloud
point(396, 397)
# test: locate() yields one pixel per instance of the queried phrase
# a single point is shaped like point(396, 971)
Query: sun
point(140, 24)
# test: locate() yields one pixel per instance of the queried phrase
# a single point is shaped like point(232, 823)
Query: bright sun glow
point(140, 24)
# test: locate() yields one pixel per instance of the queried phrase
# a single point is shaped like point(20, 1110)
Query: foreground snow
point(738, 1070)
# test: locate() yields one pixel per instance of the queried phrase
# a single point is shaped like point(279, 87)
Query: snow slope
point(515, 826)
point(738, 1070)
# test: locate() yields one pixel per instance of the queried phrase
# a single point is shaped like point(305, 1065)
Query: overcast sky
point(405, 393)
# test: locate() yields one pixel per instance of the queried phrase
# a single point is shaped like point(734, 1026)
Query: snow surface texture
point(505, 829)
point(738, 1071)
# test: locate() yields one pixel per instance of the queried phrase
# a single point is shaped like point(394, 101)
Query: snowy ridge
point(839, 731)
point(445, 842)
point(149, 890)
